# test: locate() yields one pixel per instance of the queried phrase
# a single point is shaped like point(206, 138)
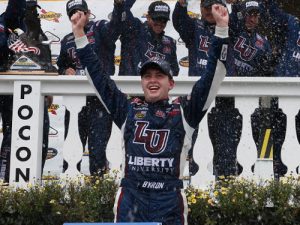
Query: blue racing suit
point(95, 123)
point(197, 35)
point(12, 18)
point(156, 140)
point(286, 31)
point(139, 43)
point(252, 52)
point(287, 26)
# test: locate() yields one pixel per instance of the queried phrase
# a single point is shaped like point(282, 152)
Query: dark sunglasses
point(253, 13)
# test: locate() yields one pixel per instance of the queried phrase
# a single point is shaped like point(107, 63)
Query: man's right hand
point(70, 71)
point(78, 21)
point(220, 13)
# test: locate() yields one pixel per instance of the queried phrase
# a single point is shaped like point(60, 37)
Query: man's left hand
point(220, 13)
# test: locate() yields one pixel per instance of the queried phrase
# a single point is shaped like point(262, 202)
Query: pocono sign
point(26, 148)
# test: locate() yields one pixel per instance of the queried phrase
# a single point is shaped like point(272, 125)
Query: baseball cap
point(76, 5)
point(156, 63)
point(208, 3)
point(159, 10)
point(251, 6)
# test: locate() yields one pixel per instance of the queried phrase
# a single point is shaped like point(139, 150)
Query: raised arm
point(125, 21)
point(65, 64)
point(111, 30)
point(112, 98)
point(182, 23)
point(205, 89)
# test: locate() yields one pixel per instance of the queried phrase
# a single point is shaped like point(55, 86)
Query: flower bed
point(228, 202)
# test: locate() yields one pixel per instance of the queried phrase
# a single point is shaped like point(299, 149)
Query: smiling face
point(252, 20)
point(156, 85)
point(157, 25)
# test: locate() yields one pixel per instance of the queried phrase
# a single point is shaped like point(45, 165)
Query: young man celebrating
point(156, 132)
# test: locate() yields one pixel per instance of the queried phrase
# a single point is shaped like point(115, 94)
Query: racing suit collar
point(159, 103)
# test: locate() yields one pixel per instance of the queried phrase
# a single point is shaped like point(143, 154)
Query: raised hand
point(78, 21)
point(220, 13)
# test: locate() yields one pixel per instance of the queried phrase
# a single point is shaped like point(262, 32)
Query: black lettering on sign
point(21, 135)
point(21, 158)
point(21, 114)
point(25, 90)
point(25, 176)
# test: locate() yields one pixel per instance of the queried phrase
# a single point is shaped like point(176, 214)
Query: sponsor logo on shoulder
point(140, 115)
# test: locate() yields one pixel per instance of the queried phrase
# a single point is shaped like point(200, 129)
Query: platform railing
point(28, 116)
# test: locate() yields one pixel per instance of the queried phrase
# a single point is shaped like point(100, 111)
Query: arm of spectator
point(182, 23)
point(236, 19)
point(123, 18)
point(112, 29)
point(65, 64)
point(174, 61)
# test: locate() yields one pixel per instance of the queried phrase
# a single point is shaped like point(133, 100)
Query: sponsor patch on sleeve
point(224, 52)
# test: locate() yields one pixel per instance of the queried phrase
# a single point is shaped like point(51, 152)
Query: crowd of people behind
point(250, 54)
